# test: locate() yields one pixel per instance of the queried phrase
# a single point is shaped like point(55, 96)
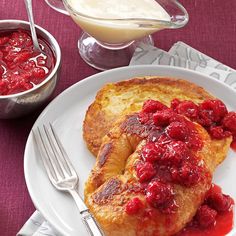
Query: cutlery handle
point(91, 225)
point(28, 5)
point(79, 201)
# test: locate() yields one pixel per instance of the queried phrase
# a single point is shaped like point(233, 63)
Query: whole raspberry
point(206, 216)
point(175, 153)
point(174, 104)
point(145, 171)
point(214, 110)
point(159, 194)
point(162, 118)
point(144, 117)
point(229, 121)
point(134, 206)
point(189, 174)
point(151, 152)
point(151, 106)
point(217, 132)
point(177, 131)
point(188, 109)
point(220, 202)
point(204, 120)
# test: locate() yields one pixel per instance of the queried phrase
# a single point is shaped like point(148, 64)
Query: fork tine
point(49, 146)
point(58, 155)
point(54, 152)
point(45, 156)
point(63, 153)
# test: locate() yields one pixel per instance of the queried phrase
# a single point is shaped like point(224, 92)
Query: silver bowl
point(16, 105)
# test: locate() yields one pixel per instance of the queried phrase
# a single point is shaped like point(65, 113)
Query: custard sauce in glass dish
point(110, 21)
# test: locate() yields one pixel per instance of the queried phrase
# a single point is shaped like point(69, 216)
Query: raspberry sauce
point(169, 157)
point(21, 68)
point(214, 217)
point(212, 115)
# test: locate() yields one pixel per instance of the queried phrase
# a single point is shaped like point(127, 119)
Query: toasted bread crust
point(126, 97)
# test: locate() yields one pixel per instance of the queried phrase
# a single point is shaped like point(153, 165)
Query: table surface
point(211, 29)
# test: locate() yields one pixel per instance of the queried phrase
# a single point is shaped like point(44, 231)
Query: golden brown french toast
point(115, 180)
point(126, 97)
point(157, 142)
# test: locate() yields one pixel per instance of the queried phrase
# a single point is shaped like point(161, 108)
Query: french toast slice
point(114, 132)
point(126, 97)
point(113, 183)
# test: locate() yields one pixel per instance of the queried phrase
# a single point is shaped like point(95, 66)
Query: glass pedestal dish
point(57, 5)
point(108, 42)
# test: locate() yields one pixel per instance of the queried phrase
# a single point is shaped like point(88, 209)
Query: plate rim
point(84, 81)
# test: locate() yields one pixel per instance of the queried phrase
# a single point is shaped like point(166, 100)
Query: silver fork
point(62, 174)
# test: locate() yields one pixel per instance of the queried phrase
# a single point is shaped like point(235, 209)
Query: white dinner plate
point(67, 112)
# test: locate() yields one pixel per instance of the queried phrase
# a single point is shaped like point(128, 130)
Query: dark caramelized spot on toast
point(132, 125)
point(112, 187)
point(104, 154)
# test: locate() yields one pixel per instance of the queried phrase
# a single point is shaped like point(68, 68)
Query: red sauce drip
point(223, 221)
point(21, 67)
point(223, 225)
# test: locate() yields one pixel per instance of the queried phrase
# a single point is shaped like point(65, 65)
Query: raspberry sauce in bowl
point(21, 67)
point(27, 78)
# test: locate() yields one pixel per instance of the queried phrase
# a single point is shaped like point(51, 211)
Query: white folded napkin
point(181, 55)
point(36, 225)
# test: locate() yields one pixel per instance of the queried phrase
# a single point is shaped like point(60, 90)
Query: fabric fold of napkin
point(36, 225)
point(181, 55)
